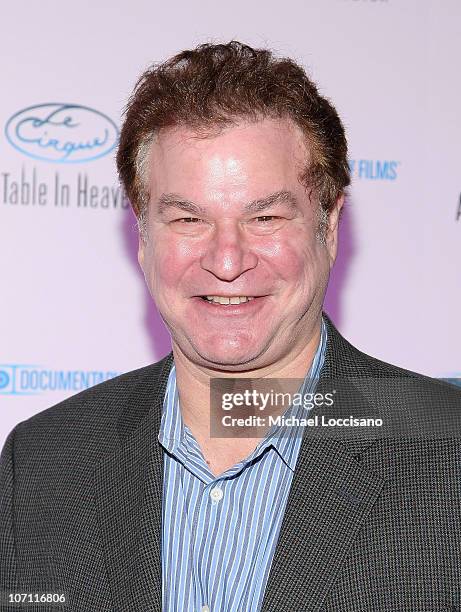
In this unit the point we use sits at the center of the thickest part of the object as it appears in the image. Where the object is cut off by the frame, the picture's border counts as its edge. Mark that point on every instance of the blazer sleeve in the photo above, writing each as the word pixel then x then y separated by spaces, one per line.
pixel 8 562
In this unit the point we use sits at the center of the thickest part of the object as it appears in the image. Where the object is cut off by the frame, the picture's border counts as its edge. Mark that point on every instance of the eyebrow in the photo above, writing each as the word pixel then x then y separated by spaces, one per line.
pixel 172 200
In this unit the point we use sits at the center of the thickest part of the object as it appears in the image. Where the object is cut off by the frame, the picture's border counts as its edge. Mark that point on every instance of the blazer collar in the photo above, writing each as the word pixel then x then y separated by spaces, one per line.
pixel 330 498
pixel 331 494
pixel 128 493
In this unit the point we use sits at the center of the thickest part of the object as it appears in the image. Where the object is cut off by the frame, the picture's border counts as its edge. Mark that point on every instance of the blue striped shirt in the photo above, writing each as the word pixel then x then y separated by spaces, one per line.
pixel 219 533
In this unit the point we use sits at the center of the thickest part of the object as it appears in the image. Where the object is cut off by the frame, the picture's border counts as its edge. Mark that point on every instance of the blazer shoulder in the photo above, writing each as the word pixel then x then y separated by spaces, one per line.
pixel 390 370
pixel 416 405
pixel 95 408
pixel 344 360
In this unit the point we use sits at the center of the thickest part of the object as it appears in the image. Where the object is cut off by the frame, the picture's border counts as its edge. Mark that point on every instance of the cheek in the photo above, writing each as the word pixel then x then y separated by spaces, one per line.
pixel 168 261
pixel 293 257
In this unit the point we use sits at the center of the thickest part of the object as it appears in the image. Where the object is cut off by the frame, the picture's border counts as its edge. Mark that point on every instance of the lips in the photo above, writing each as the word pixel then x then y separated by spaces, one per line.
pixel 226 300
pixel 248 307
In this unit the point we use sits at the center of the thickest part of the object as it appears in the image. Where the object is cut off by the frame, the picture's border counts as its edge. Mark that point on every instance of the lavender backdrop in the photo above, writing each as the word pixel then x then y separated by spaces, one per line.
pixel 73 308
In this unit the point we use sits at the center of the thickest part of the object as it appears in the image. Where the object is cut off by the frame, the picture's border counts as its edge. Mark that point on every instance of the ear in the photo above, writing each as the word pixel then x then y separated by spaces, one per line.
pixel 331 235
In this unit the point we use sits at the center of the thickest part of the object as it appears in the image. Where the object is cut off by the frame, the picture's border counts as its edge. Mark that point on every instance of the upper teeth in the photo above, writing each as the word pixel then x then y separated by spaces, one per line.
pixel 219 299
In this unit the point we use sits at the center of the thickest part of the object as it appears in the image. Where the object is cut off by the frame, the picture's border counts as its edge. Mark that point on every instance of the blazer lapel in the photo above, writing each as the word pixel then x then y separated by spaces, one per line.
pixel 330 498
pixel 128 491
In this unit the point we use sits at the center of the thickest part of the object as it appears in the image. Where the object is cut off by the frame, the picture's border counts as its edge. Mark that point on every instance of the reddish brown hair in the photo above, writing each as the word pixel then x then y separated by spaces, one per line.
pixel 215 85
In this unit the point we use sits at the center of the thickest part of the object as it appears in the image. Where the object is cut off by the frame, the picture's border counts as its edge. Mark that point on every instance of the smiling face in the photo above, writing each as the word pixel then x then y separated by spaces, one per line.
pixel 229 217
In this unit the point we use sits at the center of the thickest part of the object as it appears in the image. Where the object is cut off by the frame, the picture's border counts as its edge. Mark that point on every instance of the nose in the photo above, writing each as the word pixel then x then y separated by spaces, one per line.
pixel 228 253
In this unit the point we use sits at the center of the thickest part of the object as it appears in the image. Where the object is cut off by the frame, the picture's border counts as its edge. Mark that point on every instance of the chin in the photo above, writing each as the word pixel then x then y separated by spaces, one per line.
pixel 227 353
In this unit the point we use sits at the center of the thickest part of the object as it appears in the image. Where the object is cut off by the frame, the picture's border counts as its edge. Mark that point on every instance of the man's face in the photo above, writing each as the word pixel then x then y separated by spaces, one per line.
pixel 228 217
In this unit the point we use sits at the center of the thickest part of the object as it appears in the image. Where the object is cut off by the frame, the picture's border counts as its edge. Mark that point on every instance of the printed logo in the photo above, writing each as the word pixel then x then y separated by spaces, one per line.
pixel 62 133
pixel 4 379
pixel 21 379
pixel 374 169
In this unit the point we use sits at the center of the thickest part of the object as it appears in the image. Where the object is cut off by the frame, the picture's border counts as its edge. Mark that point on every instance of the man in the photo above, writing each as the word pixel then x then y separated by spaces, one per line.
pixel 121 498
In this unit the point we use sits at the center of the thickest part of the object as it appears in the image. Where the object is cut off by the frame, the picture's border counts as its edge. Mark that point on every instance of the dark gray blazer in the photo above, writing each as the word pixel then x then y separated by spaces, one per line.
pixel 371 524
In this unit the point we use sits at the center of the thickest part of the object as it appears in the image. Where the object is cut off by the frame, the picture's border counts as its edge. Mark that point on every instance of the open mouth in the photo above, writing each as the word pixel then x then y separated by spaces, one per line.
pixel 227 300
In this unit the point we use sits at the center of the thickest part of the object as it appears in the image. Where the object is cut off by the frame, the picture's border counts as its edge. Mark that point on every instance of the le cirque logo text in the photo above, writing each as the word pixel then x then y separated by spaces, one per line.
pixel 62 133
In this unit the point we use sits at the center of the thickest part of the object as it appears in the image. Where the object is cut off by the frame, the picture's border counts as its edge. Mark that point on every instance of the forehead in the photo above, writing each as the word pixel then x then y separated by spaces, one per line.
pixel 244 155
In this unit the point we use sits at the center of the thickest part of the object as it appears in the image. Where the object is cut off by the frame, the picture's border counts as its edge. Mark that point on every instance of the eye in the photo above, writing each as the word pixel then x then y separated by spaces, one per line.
pixel 267 218
pixel 186 220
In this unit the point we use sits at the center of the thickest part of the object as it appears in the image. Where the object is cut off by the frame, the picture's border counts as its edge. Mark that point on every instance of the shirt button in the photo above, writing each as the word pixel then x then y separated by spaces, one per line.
pixel 205 608
pixel 216 495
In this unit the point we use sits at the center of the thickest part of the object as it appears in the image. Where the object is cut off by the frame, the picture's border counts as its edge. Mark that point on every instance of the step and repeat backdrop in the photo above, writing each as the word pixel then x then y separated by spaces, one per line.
pixel 74 310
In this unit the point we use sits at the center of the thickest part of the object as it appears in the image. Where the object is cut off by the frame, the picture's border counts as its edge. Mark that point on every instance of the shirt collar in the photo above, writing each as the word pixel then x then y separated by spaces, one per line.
pixel 284 438
pixel 172 429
